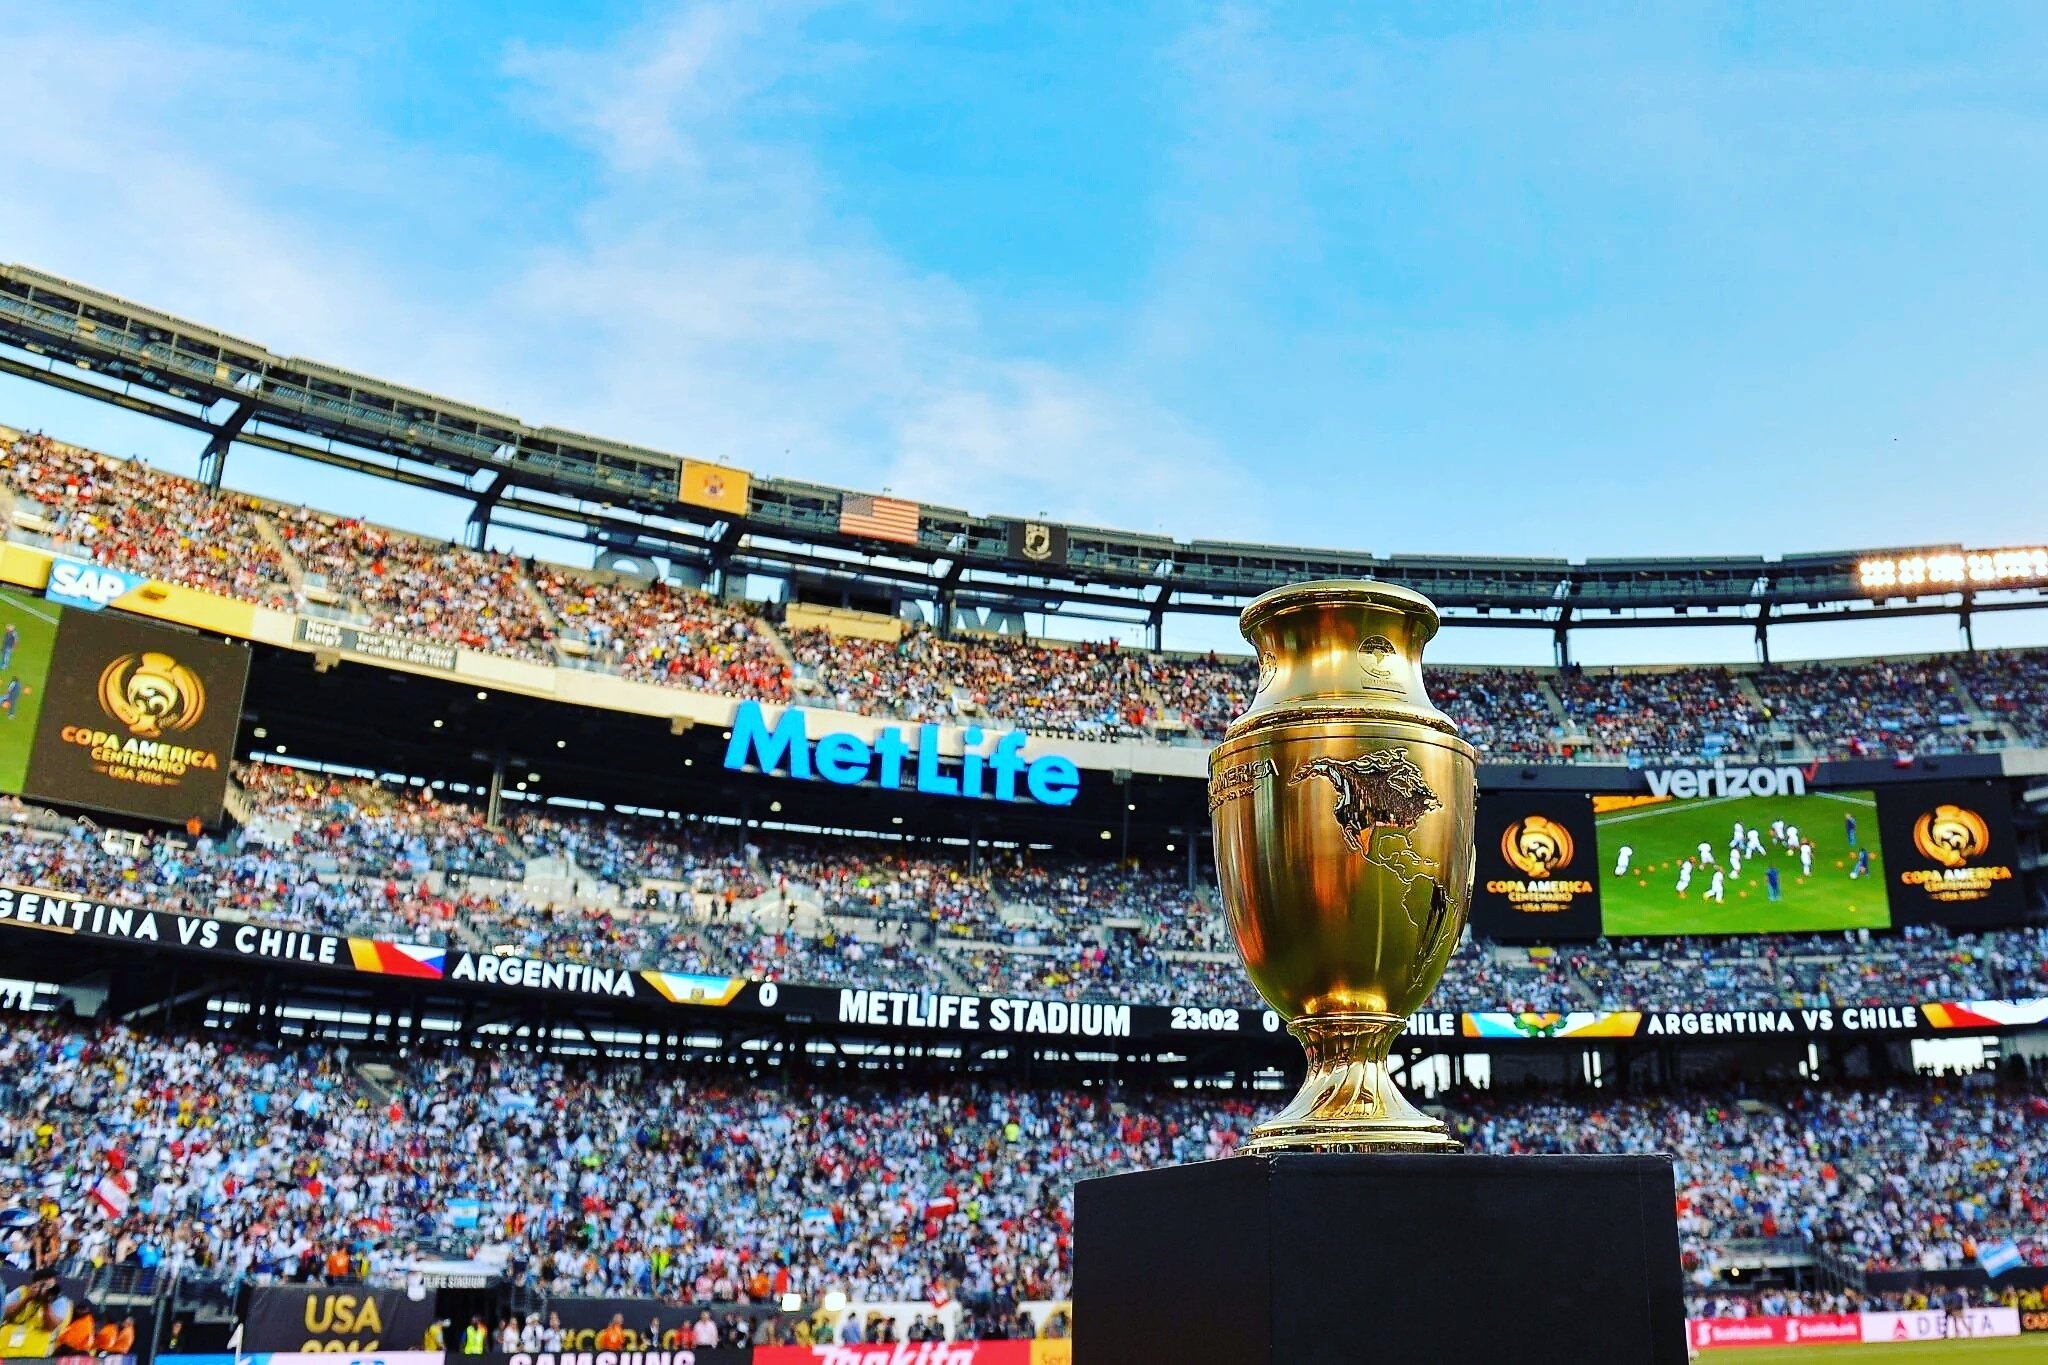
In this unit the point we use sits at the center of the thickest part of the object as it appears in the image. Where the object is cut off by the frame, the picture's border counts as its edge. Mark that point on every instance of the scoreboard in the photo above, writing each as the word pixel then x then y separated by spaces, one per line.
pixel 106 712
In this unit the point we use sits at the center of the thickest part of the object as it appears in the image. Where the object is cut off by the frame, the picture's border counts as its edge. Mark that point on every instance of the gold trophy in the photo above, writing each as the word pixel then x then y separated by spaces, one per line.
pixel 1342 807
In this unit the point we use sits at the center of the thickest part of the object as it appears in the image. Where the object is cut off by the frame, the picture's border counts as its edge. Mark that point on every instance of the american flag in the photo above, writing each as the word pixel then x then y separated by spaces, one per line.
pixel 864 514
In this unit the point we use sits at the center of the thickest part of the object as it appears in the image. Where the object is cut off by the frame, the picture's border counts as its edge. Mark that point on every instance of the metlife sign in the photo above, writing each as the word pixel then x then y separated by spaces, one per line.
pixel 997 770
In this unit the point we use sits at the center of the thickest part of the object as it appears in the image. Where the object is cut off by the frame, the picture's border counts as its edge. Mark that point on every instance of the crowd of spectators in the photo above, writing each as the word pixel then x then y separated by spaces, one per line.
pixel 1818 971
pixel 426 589
pixel 127 516
pixel 1659 715
pixel 1911 1176
pixel 699 1187
pixel 1205 693
pixel 1482 978
pixel 123 514
pixel 909 678
pixel 1502 711
pixel 1870 709
pixel 656 633
pixel 719 1189
pixel 2012 686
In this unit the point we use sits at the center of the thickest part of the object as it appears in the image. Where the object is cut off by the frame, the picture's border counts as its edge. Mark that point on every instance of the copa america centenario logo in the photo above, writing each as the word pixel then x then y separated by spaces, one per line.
pixel 1537 846
pixel 151 694
pixel 1951 835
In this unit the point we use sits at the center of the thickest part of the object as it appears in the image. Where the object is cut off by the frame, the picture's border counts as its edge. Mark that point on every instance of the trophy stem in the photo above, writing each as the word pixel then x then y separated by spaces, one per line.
pixel 1348 1103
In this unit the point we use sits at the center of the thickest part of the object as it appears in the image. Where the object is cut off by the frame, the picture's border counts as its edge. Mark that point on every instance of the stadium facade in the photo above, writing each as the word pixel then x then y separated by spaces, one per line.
pixel 1578 848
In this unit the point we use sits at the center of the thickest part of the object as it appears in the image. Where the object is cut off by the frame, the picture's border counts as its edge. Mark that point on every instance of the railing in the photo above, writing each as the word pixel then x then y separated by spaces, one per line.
pixel 1837 1273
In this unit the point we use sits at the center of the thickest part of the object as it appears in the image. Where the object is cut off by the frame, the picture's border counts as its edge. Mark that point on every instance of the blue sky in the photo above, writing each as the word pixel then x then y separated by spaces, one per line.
pixel 1551 280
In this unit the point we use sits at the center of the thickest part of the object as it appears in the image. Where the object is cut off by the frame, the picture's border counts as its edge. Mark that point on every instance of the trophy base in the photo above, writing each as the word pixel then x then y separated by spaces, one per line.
pixel 1349 1102
pixel 1363 1260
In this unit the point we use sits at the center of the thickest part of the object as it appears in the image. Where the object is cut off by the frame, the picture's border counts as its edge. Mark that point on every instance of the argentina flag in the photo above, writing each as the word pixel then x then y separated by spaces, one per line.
pixel 1996 1260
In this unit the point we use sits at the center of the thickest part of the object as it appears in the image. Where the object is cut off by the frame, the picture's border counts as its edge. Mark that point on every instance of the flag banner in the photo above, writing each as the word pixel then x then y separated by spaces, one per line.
pixel 878 518
pixel 112 1193
pixel 1038 542
pixel 716 486
pixel 1996 1260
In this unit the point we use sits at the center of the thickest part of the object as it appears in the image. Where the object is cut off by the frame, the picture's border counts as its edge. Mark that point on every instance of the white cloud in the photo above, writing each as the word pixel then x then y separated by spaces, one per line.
pixel 720 297
pixel 705 295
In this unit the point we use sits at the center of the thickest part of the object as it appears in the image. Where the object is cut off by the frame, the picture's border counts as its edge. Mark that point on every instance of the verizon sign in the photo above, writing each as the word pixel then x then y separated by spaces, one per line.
pixel 1722 780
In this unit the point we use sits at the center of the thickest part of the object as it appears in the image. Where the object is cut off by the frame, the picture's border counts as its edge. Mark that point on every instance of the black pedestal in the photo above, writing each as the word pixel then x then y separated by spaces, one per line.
pixel 1335 1259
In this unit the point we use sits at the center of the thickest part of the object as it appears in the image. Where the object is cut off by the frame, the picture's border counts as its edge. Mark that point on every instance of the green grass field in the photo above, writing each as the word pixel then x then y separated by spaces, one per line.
pixel 2008 1351
pixel 1645 899
pixel 34 623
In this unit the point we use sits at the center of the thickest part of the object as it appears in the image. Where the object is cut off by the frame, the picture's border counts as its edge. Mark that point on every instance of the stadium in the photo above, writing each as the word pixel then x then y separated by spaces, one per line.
pixel 459 943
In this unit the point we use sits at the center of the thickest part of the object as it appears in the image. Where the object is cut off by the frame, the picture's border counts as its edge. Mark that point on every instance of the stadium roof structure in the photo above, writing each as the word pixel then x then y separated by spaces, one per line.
pixel 625 500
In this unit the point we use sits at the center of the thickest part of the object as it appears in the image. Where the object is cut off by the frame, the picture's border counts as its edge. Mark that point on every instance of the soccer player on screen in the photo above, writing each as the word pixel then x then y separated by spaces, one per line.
pixel 1806 859
pixel 1862 868
pixel 1755 845
pixel 1684 877
pixel 1621 863
pixel 1771 882
pixel 1849 823
pixel 11 698
pixel 1706 853
pixel 1715 891
pixel 8 640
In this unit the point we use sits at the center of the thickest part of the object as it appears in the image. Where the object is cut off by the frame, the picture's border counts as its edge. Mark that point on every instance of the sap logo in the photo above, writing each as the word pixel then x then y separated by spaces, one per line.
pixel 91 586
pixel 1721 780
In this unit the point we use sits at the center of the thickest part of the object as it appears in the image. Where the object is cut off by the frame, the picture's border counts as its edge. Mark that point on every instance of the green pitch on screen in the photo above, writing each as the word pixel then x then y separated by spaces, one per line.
pixel 1661 836
pixel 28 627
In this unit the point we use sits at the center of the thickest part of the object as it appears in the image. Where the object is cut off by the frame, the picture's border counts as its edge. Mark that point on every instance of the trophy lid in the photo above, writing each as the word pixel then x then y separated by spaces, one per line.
pixel 1341 592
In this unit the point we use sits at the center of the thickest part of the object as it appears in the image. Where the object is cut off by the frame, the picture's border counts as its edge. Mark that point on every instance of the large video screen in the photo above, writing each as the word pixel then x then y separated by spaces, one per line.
pixel 1741 865
pixel 1537 859
pixel 1952 853
pixel 106 712
pixel 28 632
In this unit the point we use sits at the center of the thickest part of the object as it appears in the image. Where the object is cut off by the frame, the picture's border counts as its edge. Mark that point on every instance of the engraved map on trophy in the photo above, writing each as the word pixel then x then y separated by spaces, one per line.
pixel 1380 797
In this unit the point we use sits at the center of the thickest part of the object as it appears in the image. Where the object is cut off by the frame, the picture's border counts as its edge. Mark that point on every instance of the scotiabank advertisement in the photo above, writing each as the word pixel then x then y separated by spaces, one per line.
pixel 1843 1328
